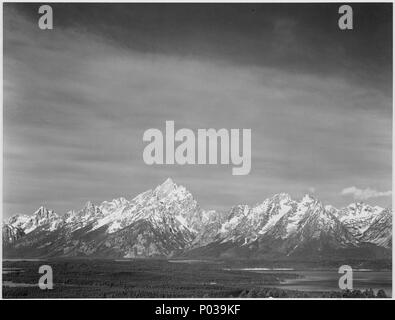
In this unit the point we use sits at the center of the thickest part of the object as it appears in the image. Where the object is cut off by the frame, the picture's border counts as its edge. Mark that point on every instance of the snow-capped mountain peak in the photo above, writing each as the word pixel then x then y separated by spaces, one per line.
pixel 167 219
pixel 357 217
pixel 380 230
pixel 42 217
pixel 331 209
pixel 165 188
pixel 281 197
pixel 308 198
pixel 10 234
pixel 108 207
pixel 44 213
pixel 19 220
pixel 167 202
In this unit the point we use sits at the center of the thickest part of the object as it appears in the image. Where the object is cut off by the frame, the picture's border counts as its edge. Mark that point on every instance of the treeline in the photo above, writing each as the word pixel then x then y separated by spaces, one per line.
pixel 119 292
pixel 279 293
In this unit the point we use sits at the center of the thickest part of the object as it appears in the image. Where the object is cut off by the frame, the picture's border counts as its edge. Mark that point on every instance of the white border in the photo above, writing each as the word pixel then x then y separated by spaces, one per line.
pixel 188 1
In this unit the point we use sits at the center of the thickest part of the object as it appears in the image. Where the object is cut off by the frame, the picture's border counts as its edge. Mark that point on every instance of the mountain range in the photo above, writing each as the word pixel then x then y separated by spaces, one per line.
pixel 168 222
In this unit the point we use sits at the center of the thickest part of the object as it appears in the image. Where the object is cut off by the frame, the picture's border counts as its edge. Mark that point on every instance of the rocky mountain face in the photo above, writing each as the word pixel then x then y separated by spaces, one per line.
pixel 42 217
pixel 378 232
pixel 168 222
pixel 11 234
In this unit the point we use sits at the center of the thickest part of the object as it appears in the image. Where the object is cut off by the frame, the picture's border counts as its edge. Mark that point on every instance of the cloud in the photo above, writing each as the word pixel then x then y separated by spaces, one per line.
pixel 363 194
pixel 76 107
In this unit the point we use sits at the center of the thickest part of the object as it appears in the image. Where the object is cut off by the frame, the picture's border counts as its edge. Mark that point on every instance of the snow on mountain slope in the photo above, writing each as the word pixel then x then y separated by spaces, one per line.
pixel 165 199
pixel 246 224
pixel 380 230
pixel 19 220
pixel 10 234
pixel 322 228
pixel 288 223
pixel 357 217
pixel 306 226
pixel 167 221
pixel 74 220
pixel 157 222
pixel 280 225
pixel 109 207
pixel 41 218
pixel 294 218
pixel 169 213
pixel 212 223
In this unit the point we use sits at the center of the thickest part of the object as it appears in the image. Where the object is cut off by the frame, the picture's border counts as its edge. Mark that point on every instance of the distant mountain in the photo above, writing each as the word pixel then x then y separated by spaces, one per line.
pixel 41 218
pixel 357 217
pixel 167 222
pixel 378 232
pixel 11 234
pixel 280 227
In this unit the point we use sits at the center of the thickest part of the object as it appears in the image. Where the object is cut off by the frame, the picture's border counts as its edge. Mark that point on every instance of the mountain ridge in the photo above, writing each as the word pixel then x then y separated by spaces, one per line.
pixel 167 221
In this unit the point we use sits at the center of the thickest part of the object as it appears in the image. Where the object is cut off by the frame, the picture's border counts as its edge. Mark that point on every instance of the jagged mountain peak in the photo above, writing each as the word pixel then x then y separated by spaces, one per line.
pixel 42 212
pixel 281 197
pixel 380 230
pixel 17 219
pixel 10 234
pixel 165 188
pixel 331 208
pixel 90 208
pixel 75 220
pixel 167 219
pixel 356 206
pixel 168 181
pixel 274 201
pixel 308 198
pixel 42 208
pixel 165 204
pixel 120 201
pixel 108 207
pixel 358 217
pixel 89 204
pixel 43 215
pixel 361 208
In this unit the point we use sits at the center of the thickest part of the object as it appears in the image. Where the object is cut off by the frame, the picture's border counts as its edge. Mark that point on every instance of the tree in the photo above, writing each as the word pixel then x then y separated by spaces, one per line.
pixel 381 294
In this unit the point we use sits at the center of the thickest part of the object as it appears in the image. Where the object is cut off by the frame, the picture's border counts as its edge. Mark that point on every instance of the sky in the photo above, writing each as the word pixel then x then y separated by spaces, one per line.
pixel 78 99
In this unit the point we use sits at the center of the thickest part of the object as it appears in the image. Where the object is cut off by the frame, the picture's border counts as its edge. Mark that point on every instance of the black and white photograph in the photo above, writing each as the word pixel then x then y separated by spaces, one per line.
pixel 197 150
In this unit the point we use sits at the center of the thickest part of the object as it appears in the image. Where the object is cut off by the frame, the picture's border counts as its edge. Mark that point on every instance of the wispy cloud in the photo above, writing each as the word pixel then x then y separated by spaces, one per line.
pixel 364 194
pixel 76 106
